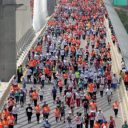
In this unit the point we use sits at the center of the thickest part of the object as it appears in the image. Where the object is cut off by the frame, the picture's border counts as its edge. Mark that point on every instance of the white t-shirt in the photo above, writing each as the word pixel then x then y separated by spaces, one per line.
pixel 43 77
pixel 99 116
pixel 68 94
pixel 108 92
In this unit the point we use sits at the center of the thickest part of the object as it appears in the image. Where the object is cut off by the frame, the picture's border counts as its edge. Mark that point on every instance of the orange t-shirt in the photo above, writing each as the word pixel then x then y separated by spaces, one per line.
pixel 11 120
pixel 125 78
pixel 35 95
pixel 65 75
pixel 38 109
pixel 60 83
pixel 5 123
pixel 91 87
pixel 96 125
pixel 93 106
pixel 115 105
pixel 46 109
pixel 6 113
pixel 57 112
pixel 88 97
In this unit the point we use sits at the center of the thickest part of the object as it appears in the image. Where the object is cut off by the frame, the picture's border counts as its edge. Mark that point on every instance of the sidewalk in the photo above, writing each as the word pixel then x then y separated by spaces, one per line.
pixel 120 31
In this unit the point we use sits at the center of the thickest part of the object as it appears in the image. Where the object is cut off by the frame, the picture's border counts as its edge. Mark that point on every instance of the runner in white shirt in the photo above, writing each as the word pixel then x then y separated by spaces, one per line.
pixel 100 116
pixel 109 94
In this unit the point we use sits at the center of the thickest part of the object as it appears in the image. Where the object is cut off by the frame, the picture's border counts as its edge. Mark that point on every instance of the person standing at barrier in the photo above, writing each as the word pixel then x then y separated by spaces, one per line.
pixel 29 113
pixel 116 108
pixel 19 73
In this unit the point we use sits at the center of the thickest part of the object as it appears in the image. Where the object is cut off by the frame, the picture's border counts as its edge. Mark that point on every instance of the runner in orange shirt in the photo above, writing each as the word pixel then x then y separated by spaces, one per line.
pixel 35 97
pixel 57 113
pixel 116 107
pixel 38 110
pixel 46 111
pixel 93 106
pixel 91 89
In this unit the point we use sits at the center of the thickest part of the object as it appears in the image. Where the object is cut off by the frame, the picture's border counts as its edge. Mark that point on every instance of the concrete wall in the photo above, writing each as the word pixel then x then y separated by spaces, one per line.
pixel 7 39
pixel 16 32
pixel 42 9
pixel 40 14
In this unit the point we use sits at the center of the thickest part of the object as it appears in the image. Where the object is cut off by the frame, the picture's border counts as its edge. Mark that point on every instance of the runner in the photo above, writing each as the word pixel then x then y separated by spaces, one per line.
pixel 38 111
pixel 77 72
pixel 115 108
pixel 29 113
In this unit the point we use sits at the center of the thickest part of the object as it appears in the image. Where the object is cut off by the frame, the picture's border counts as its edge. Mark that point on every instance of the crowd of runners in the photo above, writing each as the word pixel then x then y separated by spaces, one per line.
pixel 74 57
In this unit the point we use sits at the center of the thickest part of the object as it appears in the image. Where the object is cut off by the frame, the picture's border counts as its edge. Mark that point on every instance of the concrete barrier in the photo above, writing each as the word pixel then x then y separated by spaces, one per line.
pixel 116 65
pixel 5 93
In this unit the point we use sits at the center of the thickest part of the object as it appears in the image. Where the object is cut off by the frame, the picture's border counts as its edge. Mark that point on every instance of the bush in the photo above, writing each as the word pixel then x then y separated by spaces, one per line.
pixel 124 18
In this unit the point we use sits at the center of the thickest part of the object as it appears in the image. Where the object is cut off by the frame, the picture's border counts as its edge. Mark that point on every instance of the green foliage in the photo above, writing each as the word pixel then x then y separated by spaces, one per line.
pixel 124 18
